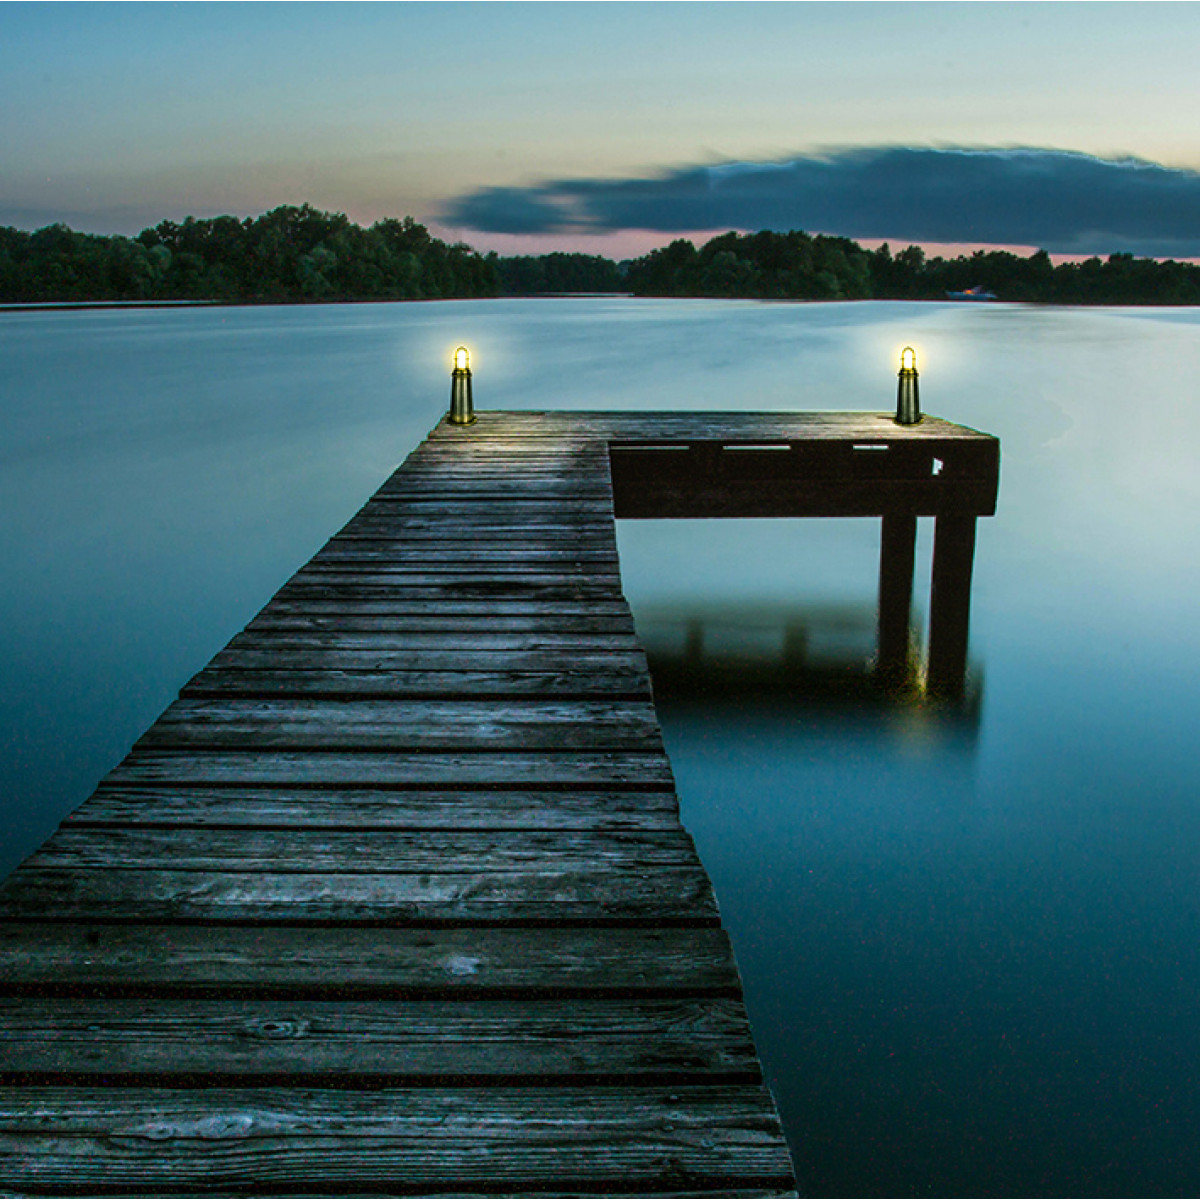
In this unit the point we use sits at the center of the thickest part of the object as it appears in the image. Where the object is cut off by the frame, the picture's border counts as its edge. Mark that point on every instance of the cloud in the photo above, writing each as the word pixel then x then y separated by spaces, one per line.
pixel 1064 202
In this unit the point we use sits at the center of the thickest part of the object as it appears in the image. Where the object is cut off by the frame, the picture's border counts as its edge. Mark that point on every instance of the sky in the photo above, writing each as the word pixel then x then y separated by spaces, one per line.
pixel 614 127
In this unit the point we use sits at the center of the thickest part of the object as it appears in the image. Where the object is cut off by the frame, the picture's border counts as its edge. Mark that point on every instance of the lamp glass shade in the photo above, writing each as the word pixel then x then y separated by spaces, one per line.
pixel 462 361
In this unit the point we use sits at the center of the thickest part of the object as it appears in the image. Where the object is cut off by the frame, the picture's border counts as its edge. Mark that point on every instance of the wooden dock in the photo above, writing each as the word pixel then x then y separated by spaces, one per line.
pixel 395 899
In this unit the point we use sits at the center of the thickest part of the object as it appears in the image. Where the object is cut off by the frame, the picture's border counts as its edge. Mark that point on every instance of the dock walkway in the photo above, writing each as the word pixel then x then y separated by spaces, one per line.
pixel 395 899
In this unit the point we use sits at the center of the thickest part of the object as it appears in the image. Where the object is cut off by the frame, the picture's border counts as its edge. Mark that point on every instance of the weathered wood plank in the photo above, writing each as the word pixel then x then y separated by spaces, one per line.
pixel 437 590
pixel 584 769
pixel 454 611
pixel 661 425
pixel 507 546
pixel 461 509
pixel 120 1040
pixel 624 682
pixel 622 1141
pixel 381 618
pixel 454 639
pixel 380 852
pixel 397 558
pixel 530 724
pixel 387 960
pixel 348 808
pixel 498 576
pixel 575 659
pixel 396 520
pixel 537 894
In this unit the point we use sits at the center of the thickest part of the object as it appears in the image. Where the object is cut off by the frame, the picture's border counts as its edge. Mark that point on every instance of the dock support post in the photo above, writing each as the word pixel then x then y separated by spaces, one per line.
pixel 950 603
pixel 897 554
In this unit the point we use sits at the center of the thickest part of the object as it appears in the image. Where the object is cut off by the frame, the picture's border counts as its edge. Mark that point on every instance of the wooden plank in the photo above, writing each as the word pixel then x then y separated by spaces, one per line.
pixel 395 554
pixel 538 894
pixel 499 478
pixel 40 957
pixel 380 852
pixel 437 590
pixel 541 612
pixel 583 769
pixel 449 637
pixel 801 498
pixel 461 658
pixel 388 1042
pixel 348 808
pixel 462 507
pixel 514 540
pixel 620 1141
pixel 498 576
pixel 514 543
pixel 396 520
pixel 530 724
pixel 672 425
pixel 480 493
pixel 456 639
pixel 389 682
pixel 382 618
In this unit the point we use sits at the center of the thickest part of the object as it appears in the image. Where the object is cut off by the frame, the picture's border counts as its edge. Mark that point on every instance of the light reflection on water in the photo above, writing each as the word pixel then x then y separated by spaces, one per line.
pixel 971 940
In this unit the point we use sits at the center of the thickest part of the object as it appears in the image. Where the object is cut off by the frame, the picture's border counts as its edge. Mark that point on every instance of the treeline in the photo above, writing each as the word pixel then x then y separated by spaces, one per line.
pixel 303 254
pixel 545 274
pixel 287 254
pixel 767 266
pixel 797 266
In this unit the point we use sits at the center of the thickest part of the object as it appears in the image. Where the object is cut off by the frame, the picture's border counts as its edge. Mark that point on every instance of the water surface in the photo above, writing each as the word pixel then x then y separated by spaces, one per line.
pixel 969 939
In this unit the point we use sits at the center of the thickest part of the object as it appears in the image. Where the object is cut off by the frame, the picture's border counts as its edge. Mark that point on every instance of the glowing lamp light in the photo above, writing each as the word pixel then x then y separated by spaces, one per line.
pixel 462 407
pixel 908 396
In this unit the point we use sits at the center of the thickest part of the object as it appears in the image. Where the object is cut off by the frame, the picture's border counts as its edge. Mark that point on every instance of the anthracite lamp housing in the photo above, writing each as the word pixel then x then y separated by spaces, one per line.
pixel 462 407
pixel 908 396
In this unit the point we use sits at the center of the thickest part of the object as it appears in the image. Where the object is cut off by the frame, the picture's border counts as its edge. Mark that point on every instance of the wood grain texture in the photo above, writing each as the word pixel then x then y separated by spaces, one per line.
pixel 350 684
pixel 446 640
pixel 567 769
pixel 371 809
pixel 544 894
pixel 378 852
pixel 624 1141
pixel 604 1040
pixel 302 723
pixel 38 957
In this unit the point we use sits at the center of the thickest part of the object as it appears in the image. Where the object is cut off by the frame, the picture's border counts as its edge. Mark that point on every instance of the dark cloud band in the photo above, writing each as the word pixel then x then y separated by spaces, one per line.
pixel 1064 202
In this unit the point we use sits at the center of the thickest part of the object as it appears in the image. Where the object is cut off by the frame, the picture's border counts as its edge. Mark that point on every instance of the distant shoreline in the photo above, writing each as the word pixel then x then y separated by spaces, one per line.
pixel 58 305
pixel 135 305
pixel 301 255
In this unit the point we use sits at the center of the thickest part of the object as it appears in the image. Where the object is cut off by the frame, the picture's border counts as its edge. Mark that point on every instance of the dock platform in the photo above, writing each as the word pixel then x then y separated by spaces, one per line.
pixel 395 898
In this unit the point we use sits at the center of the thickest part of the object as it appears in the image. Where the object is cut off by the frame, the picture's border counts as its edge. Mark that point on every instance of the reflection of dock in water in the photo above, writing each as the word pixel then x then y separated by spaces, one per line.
pixel 800 656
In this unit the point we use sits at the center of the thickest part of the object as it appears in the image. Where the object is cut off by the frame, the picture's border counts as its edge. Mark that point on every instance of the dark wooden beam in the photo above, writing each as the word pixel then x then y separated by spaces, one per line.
pixel 950 604
pixel 897 555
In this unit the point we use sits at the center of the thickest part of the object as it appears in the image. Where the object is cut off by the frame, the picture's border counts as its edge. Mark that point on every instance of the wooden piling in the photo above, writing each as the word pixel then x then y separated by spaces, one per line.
pixel 897 560
pixel 950 603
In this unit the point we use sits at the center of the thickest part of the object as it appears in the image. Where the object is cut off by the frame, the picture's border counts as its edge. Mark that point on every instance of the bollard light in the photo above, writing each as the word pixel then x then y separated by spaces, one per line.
pixel 908 396
pixel 462 408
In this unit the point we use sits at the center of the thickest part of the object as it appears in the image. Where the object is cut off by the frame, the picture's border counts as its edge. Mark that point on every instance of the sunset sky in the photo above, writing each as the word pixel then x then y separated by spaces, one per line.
pixel 613 127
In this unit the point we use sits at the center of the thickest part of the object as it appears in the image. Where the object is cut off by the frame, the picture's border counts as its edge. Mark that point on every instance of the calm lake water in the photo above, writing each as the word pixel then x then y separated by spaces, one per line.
pixel 970 939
